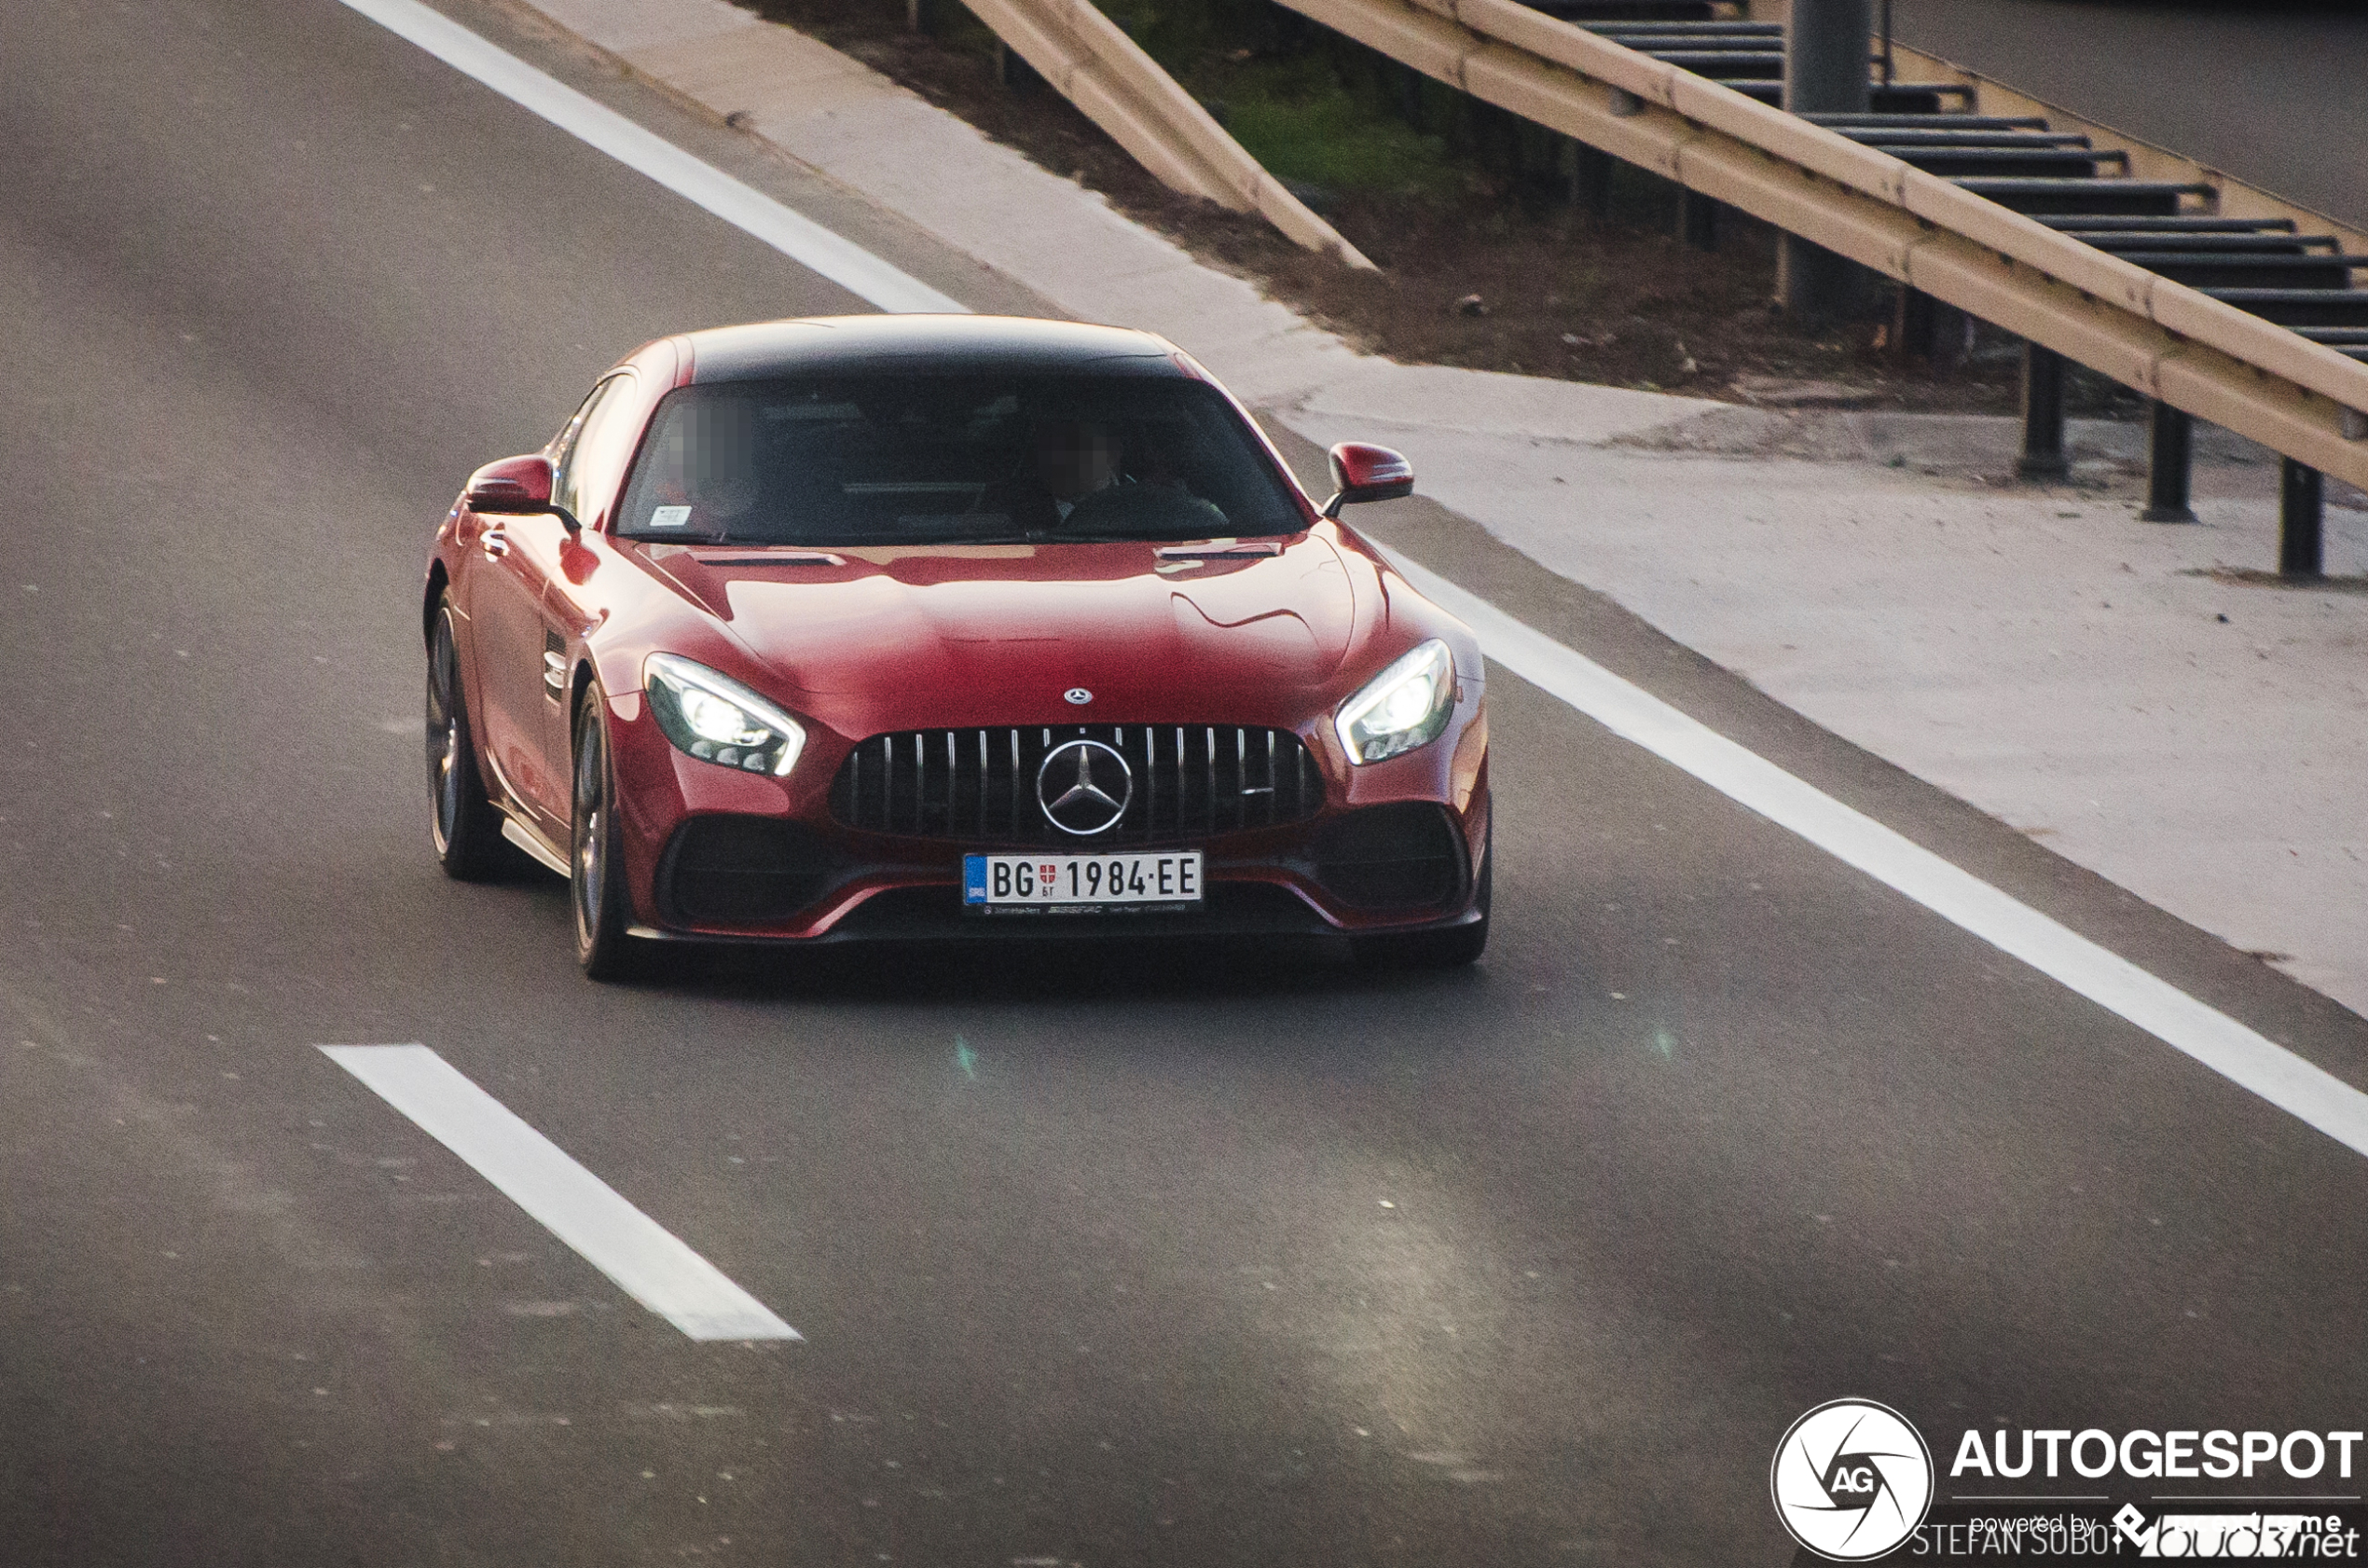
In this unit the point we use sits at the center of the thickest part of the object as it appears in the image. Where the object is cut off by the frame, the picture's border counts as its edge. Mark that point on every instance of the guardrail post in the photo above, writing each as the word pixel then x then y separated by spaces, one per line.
pixel 2302 513
pixel 1912 322
pixel 1012 73
pixel 2170 454
pixel 1697 219
pixel 1825 71
pixel 2043 414
pixel 1407 84
pixel 1593 191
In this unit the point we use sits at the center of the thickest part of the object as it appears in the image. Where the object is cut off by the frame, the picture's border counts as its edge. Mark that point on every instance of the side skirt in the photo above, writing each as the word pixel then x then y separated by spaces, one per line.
pixel 537 848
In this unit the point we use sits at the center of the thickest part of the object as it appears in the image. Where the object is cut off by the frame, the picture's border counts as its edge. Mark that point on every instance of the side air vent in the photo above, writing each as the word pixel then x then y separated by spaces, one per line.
pixel 741 870
pixel 1406 856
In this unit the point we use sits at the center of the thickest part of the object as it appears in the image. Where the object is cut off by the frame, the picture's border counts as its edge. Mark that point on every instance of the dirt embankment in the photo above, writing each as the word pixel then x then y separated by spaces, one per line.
pixel 1484 260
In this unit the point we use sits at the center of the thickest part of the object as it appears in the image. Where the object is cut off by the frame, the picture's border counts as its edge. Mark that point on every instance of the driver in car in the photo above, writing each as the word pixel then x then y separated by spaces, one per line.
pixel 1074 458
pixel 1081 487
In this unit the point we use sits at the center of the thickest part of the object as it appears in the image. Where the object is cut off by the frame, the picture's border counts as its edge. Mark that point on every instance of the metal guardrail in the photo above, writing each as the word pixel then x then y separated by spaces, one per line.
pixel 2124 195
pixel 2266 256
pixel 2204 355
pixel 2232 197
pixel 1094 65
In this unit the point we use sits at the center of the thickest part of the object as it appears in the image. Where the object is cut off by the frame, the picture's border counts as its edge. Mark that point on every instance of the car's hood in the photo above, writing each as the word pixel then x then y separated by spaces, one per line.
pixel 920 636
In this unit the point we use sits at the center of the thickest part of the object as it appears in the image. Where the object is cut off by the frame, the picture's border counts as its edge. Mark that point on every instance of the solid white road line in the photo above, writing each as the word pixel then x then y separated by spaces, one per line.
pixel 2112 983
pixel 645 1260
pixel 797 237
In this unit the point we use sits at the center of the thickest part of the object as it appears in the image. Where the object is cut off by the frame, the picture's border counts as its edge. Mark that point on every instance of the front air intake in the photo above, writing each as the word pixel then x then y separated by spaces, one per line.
pixel 741 870
pixel 1407 856
pixel 981 785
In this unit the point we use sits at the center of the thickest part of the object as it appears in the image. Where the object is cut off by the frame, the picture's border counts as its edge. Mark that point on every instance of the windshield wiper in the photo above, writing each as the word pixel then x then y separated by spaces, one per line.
pixel 914 541
pixel 777 555
pixel 1213 550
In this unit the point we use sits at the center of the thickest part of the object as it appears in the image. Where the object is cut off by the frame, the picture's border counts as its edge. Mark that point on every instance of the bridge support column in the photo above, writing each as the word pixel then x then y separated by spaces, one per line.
pixel 1825 71
pixel 2043 414
pixel 2302 515
pixel 2169 458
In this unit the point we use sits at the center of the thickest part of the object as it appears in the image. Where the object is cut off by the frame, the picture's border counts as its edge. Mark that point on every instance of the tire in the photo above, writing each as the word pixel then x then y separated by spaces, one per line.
pixel 462 824
pixel 1452 949
pixel 595 869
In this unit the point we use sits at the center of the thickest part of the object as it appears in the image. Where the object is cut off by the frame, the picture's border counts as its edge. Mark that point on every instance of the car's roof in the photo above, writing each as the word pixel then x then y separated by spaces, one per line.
pixel 1009 344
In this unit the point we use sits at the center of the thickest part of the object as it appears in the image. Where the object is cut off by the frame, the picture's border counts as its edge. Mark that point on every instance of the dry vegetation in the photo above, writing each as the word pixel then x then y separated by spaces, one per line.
pixel 1484 261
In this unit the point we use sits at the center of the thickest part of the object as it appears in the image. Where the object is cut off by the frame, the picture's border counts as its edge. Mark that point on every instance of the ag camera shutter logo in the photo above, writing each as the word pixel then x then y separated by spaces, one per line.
pixel 1852 1480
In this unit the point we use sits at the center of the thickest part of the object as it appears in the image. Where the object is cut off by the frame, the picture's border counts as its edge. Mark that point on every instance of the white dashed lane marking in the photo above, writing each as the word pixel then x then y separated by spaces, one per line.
pixel 645 1260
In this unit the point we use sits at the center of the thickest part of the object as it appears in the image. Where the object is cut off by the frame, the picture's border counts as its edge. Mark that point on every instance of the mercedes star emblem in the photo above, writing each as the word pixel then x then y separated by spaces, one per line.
pixel 1074 786
pixel 1077 695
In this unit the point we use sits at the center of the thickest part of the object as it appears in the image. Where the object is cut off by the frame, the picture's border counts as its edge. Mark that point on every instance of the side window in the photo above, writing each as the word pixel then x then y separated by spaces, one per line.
pixel 589 446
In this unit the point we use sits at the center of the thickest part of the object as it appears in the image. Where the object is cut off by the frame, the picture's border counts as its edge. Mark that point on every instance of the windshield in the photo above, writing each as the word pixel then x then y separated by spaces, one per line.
pixel 914 458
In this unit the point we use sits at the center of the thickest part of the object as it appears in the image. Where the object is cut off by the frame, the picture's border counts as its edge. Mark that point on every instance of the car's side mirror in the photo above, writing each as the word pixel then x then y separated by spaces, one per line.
pixel 1363 472
pixel 514 487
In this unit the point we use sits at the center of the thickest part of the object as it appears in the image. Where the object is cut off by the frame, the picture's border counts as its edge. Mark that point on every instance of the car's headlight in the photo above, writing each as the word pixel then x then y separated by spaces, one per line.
pixel 1404 706
pixel 717 719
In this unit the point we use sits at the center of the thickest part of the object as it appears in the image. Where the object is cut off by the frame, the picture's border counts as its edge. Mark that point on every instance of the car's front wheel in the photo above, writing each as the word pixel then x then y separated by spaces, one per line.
pixel 464 825
pixel 596 871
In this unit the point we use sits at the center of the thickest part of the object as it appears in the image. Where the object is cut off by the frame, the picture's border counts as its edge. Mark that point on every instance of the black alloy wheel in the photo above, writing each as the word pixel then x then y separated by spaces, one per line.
pixel 596 871
pixel 464 825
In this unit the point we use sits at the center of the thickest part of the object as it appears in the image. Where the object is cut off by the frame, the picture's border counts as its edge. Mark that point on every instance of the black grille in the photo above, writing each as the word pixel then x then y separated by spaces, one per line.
pixel 979 785
pixel 1391 857
pixel 741 870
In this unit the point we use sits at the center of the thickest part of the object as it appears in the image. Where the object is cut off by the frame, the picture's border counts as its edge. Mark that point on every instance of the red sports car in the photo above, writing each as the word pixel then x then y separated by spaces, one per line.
pixel 902 627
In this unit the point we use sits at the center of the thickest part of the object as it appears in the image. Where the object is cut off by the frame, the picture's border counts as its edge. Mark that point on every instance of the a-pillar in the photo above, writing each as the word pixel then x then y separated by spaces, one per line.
pixel 1825 71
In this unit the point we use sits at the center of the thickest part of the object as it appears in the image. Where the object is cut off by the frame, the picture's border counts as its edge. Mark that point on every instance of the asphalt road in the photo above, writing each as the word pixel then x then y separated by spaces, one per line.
pixel 1140 1256
pixel 2274 92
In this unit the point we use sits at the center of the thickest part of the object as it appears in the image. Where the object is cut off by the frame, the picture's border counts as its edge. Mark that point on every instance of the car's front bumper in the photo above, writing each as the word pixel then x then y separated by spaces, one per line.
pixel 715 855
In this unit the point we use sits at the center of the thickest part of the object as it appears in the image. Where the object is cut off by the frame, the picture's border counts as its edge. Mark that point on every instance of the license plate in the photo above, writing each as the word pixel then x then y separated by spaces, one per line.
pixel 1079 884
